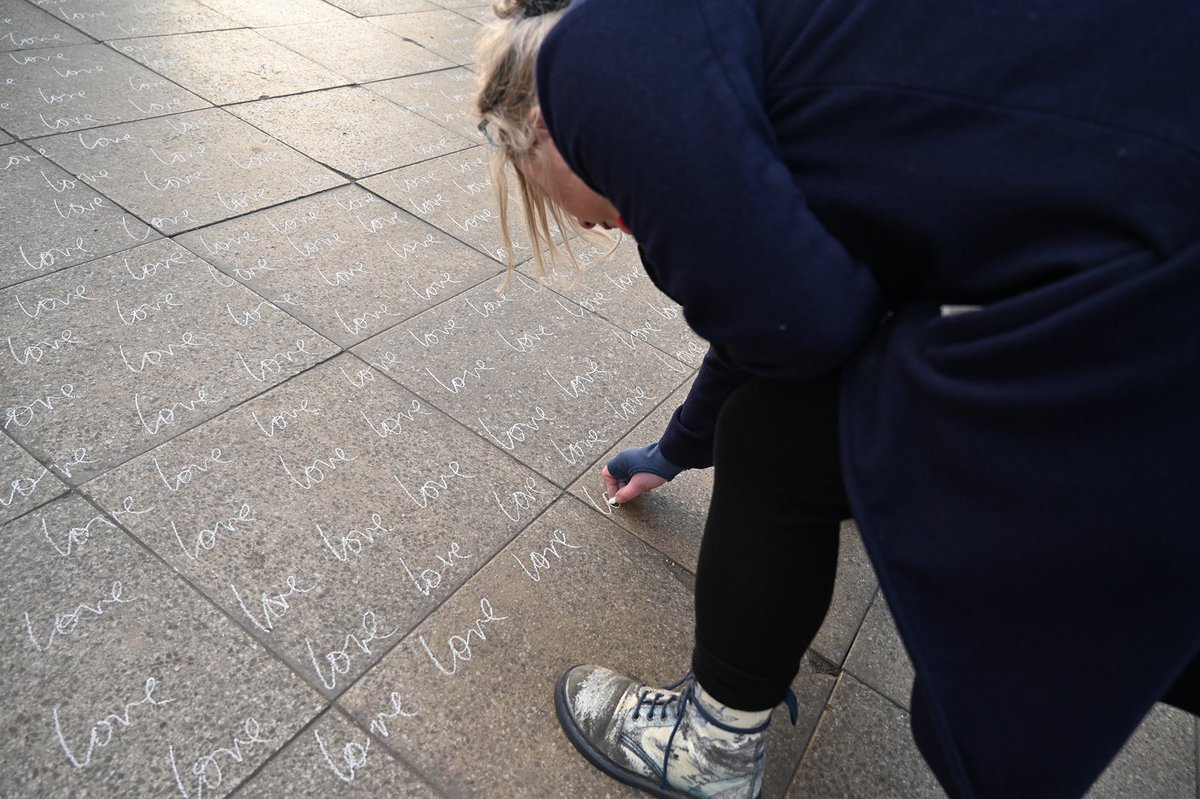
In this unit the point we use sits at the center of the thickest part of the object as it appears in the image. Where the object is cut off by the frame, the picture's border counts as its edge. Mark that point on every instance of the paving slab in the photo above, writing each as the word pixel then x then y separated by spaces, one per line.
pixel 336 758
pixel 481 14
pixel 478 676
pixel 456 194
pixel 121 19
pixel 345 262
pixel 271 13
pixel 611 282
pixel 352 130
pixel 329 515
pixel 357 49
pixel 5 138
pixel 24 483
pixel 1158 761
pixel 372 8
pixel 450 35
pixel 126 351
pixel 878 658
pixel 230 66
pixel 519 367
pixel 85 86
pixel 55 219
pixel 184 171
pixel 863 749
pixel 444 97
pixel 121 680
pixel 24 26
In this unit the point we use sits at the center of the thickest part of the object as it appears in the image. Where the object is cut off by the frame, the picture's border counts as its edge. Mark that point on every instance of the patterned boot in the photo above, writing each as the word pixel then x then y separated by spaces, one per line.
pixel 670 742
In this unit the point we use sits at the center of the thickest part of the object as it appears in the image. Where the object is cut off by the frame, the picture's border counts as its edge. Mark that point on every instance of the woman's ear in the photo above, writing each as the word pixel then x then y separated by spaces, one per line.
pixel 539 123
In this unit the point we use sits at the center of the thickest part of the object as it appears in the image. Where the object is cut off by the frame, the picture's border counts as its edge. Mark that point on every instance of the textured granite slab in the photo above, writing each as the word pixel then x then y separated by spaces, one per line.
pixel 24 26
pixel 456 194
pixel 121 19
pixel 357 50
pixel 450 35
pixel 445 97
pixel 127 351
pixel 478 676
pixel 528 372
pixel 878 658
pixel 352 130
pixel 120 679
pixel 335 758
pixel 85 86
pixel 54 219
pixel 269 13
pixel 371 8
pixel 24 483
pixel 614 284
pixel 481 14
pixel 863 747
pixel 1158 761
pixel 230 66
pixel 180 172
pixel 345 262
pixel 328 516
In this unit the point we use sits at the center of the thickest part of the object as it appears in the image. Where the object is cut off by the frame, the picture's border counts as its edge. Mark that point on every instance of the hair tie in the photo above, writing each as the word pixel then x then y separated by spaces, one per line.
pixel 535 8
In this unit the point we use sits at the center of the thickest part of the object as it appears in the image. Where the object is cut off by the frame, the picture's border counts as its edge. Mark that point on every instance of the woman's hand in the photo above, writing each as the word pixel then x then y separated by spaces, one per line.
pixel 633 472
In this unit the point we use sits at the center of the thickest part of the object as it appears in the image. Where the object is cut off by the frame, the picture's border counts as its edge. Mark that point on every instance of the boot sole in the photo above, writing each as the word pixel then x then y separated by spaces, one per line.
pixel 596 758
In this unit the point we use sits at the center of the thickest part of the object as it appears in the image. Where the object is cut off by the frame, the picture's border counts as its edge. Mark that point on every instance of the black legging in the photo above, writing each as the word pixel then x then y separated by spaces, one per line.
pixel 769 555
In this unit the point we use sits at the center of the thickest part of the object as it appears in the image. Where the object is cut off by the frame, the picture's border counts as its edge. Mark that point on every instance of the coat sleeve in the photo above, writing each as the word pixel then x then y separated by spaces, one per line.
pixel 688 439
pixel 659 107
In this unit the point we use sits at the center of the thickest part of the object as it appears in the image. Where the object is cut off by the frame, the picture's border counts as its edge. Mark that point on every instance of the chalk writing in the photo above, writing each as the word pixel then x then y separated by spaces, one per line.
pixel 155 357
pixel 314 473
pixel 166 416
pixel 339 660
pixel 432 489
pixel 392 425
pixel 143 312
pixel 577 450
pixel 457 384
pixel 280 420
pixel 39 349
pixel 523 499
pixel 460 645
pixel 352 543
pixel 101 733
pixel 48 304
pixel 539 561
pixel 207 768
pixel 627 407
pixel 64 623
pixel 22 415
pixel 185 475
pixel 518 431
pixel 578 385
pixel 271 607
pixel 274 364
pixel 354 756
pixel 379 724
pixel 208 537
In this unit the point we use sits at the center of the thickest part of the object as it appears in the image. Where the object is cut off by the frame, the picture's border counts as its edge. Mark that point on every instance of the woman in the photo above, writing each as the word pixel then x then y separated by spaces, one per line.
pixel 948 257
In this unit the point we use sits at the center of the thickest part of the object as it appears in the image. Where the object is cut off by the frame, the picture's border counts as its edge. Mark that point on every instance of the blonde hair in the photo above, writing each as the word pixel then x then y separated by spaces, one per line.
pixel 507 83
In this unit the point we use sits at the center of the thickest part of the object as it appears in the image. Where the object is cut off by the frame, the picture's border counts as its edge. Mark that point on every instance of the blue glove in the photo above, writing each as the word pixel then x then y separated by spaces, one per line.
pixel 629 462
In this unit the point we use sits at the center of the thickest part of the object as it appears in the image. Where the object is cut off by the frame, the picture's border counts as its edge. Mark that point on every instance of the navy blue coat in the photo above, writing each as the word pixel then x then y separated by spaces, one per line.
pixel 812 180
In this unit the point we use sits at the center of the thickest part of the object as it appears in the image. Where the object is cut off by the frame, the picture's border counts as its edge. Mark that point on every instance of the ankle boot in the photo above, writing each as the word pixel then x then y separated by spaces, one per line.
pixel 670 742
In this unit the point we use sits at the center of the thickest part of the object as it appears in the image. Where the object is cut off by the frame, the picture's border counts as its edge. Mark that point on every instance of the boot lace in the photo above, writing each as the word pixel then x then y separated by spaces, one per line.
pixel 659 702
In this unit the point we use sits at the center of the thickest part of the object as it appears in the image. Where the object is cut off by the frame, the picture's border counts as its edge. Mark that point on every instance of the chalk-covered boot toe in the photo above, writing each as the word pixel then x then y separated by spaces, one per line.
pixel 661 740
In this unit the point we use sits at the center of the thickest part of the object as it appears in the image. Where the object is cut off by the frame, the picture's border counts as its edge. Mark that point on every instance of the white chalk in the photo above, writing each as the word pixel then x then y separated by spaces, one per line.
pixel 612 501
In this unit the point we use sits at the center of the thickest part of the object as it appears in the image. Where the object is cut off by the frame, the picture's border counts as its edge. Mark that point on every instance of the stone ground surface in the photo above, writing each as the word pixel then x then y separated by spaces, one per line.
pixel 294 503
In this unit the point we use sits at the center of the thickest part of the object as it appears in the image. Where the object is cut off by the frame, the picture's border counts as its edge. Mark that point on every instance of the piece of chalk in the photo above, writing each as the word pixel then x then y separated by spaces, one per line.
pixel 612 501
